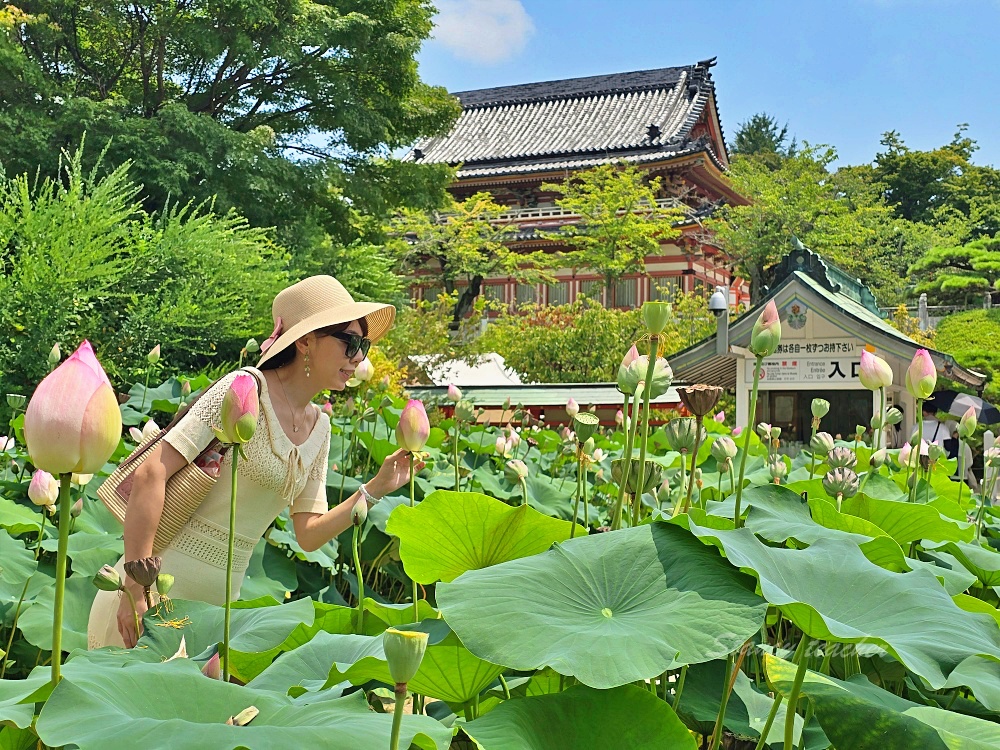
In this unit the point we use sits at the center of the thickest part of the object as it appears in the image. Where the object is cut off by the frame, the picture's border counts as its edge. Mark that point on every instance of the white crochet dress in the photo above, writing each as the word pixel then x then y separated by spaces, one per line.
pixel 276 473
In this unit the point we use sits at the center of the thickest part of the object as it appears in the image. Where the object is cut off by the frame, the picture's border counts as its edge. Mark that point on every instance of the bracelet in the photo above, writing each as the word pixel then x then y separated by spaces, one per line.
pixel 369 497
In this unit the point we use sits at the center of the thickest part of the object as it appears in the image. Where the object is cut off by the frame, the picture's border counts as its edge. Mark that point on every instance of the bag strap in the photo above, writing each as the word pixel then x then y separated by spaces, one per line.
pixel 181 413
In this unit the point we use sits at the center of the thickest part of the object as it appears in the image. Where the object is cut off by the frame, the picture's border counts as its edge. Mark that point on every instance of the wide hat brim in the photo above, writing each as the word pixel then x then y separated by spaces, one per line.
pixel 379 317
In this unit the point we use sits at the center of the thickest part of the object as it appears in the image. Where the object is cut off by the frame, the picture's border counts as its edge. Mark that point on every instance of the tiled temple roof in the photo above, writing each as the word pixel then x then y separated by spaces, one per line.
pixel 639 117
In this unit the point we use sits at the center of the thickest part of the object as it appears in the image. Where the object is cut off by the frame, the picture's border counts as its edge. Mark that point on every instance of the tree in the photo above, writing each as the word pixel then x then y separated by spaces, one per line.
pixel 761 136
pixel 940 187
pixel 840 215
pixel 620 221
pixel 465 242
pixel 958 275
pixel 277 108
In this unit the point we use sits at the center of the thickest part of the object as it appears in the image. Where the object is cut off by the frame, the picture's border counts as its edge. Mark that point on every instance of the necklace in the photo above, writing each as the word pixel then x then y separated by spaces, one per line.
pixel 295 424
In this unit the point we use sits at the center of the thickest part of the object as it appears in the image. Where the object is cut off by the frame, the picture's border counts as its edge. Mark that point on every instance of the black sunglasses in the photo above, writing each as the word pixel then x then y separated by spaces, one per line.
pixel 355 343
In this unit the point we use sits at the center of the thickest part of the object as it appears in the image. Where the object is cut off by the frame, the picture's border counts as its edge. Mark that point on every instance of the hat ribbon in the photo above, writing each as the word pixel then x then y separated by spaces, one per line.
pixel 273 337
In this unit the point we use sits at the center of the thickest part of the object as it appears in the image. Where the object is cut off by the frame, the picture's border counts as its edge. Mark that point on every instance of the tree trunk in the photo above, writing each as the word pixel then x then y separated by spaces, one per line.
pixel 465 301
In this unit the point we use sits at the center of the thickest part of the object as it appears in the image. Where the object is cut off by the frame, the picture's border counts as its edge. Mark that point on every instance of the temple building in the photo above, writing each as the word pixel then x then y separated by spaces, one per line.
pixel 511 139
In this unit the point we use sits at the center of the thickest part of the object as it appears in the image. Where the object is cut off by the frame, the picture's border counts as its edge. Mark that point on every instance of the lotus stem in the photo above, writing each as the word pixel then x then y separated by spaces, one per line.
pixel 805 722
pixel 920 439
pixel 229 570
pixel 654 345
pixel 356 549
pixel 879 435
pixel 680 490
pixel 145 386
pixel 458 479
pixel 733 666
pixel 630 429
pixel 397 715
pixel 680 687
pixel 413 502
pixel 694 463
pixel 579 490
pixel 770 721
pixel 506 690
pixel 586 506
pixel 793 698
pixel 41 536
pixel 60 596
pixel 746 440
pixel 524 491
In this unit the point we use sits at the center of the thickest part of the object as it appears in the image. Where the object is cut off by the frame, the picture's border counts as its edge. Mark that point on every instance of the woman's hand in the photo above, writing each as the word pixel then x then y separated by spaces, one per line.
pixel 127 617
pixel 394 473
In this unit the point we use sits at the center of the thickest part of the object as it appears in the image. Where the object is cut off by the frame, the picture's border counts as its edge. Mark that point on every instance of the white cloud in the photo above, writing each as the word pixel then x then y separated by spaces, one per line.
pixel 483 31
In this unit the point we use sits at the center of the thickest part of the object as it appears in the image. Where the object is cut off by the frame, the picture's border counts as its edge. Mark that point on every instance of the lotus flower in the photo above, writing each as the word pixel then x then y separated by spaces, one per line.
pixel 413 428
pixel 777 467
pixel 454 394
pixel 81 480
pixel 967 424
pixel 820 407
pixel 627 378
pixel 240 408
pixel 212 668
pixel 656 316
pixel 663 376
pixel 73 422
pixel 327 409
pixel 501 445
pixel 766 333
pixel 619 417
pixel 364 371
pixel 875 372
pixel 921 375
pixel 185 389
pixel 878 458
pixel 7 443
pixel 737 431
pixel 404 650
pixel 77 509
pixel 154 355
pixel 43 490
pixel 572 408
pixel 720 417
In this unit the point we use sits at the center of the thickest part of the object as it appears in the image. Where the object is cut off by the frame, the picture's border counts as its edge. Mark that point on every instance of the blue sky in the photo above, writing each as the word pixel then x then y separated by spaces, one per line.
pixel 840 72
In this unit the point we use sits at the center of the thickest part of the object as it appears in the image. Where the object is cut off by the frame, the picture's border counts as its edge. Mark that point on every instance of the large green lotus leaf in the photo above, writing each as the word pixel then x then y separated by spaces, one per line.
pixel 858 715
pixel 18 519
pixel 972 604
pixel 449 671
pixel 12 738
pixel 17 699
pixel 955 579
pixel 36 621
pixel 96 518
pixel 153 705
pixel 981 561
pixel 582 718
pixel 270 573
pixel 818 589
pixel 307 668
pixel 88 552
pixel 17 565
pixel 608 609
pixel 452 532
pixel 255 626
pixel 908 522
pixel 983 676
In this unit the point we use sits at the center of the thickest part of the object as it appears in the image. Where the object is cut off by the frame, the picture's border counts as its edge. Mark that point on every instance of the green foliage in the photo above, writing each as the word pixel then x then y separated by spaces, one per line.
pixel 620 222
pixel 81 259
pixel 841 215
pixel 761 136
pixel 584 342
pixel 971 338
pixel 959 275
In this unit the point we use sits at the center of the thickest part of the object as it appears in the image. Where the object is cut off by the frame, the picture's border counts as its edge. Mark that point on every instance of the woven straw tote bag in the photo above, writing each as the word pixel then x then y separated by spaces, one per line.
pixel 184 491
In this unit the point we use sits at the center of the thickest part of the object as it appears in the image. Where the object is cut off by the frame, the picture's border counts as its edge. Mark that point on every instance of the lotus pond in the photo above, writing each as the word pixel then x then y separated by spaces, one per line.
pixel 709 592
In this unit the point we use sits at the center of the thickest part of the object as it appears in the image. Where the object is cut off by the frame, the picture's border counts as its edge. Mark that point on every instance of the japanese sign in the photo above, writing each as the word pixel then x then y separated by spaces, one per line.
pixel 821 346
pixel 812 370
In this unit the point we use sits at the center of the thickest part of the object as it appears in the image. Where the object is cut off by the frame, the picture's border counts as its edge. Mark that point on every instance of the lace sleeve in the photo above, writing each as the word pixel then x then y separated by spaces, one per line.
pixel 192 434
pixel 312 499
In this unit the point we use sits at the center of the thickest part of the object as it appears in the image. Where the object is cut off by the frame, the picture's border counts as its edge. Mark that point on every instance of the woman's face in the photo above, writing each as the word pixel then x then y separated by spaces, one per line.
pixel 329 363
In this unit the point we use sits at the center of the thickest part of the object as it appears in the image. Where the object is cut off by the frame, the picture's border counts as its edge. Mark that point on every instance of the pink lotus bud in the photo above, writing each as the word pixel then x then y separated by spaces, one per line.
pixel 185 389
pixel 627 376
pixel 921 375
pixel 43 490
pixel 240 408
pixel 212 669
pixel 454 394
pixel 150 429
pixel 7 443
pixel 364 370
pixel 73 422
pixel 619 418
pixel 766 334
pixel 967 424
pixel 501 445
pixel 720 417
pixel 136 434
pixel 875 372
pixel 327 409
pixel 737 431
pixel 513 439
pixel 572 408
pixel 413 428
pixel 154 355
pixel 77 508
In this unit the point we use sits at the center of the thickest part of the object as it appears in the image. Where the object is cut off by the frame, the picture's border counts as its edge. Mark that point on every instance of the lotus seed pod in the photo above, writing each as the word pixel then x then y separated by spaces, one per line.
pixel 404 650
pixel 841 481
pixel 935 452
pixel 585 424
pixel 893 416
pixel 107 579
pixel 777 467
pixel 878 458
pixel 359 513
pixel 681 433
pixel 144 571
pixel 841 458
pixel 252 346
pixel 765 430
pixel 700 399
pixel 656 316
pixel 16 401
pixel 820 407
pixel 164 582
pixel 515 470
pixel 723 448
pixel 876 422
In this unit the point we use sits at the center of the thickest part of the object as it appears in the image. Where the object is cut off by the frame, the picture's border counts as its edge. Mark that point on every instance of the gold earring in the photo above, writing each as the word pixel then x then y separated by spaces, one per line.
pixel 307 364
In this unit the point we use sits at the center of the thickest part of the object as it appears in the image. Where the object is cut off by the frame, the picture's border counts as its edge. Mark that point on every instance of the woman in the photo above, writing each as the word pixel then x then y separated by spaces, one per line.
pixel 320 335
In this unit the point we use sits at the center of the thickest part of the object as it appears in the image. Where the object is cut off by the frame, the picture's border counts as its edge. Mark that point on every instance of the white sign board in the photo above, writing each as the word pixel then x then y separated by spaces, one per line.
pixel 811 370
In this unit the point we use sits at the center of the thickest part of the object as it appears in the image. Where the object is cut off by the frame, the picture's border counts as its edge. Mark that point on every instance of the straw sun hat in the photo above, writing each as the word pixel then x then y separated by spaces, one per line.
pixel 318 302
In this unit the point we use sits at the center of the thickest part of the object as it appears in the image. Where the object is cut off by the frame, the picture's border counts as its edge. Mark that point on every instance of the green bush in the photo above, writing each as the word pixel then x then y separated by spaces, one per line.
pixel 972 338
pixel 80 259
